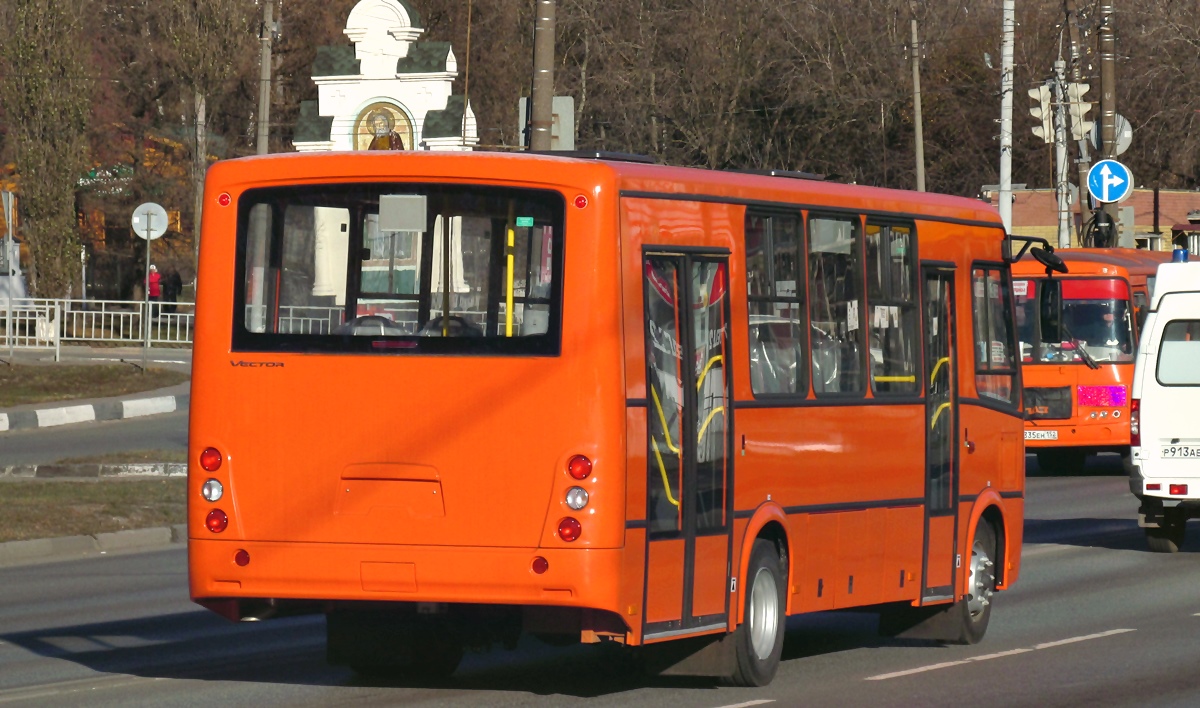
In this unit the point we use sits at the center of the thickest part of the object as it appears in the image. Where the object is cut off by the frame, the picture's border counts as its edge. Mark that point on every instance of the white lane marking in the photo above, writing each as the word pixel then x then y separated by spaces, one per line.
pixel 747 704
pixel 3 422
pixel 148 406
pixel 65 416
pixel 1011 652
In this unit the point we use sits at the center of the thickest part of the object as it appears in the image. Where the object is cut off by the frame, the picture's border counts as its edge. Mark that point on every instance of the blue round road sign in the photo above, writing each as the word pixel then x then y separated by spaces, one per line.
pixel 1109 181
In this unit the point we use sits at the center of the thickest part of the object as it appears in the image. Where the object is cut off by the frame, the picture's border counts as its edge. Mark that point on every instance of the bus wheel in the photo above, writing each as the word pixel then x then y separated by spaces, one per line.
pixel 981 583
pixel 1168 537
pixel 759 639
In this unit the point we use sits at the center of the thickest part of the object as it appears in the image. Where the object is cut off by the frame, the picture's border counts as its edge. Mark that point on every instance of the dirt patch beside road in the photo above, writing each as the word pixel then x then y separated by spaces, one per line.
pixel 32 509
pixel 43 383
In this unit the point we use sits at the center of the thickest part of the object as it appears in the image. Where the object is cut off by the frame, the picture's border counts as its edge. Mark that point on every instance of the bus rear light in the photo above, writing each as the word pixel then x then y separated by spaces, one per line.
pixel 216 521
pixel 1135 422
pixel 241 557
pixel 579 467
pixel 1178 489
pixel 540 565
pixel 569 529
pixel 577 498
pixel 210 459
pixel 212 490
pixel 1153 487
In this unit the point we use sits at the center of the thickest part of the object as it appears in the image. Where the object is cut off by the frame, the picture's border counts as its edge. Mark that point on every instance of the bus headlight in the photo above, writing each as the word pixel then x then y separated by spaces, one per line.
pixel 577 498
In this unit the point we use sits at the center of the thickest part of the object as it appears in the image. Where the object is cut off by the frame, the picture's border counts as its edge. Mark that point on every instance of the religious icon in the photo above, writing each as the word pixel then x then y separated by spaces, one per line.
pixel 385 138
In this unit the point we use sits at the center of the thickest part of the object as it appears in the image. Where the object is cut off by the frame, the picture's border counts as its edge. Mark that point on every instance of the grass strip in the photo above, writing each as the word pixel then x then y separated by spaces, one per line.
pixel 42 383
pixel 32 509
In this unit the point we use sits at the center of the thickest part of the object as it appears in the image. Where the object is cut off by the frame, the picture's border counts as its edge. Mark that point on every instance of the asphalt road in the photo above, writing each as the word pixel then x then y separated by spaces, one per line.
pixel 39 446
pixel 1095 619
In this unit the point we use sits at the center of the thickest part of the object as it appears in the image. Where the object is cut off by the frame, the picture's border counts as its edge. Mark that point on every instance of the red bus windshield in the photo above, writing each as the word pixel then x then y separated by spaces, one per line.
pixel 1095 315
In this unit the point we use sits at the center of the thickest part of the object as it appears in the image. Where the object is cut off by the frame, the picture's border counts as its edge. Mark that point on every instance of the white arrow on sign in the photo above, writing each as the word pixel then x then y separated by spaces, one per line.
pixel 1108 179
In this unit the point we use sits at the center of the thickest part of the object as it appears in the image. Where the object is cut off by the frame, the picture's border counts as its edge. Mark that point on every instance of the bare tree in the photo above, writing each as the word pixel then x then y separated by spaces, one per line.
pixel 44 87
pixel 208 41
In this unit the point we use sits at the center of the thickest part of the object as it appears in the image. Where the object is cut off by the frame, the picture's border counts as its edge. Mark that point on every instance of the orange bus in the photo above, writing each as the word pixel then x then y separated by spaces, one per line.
pixel 447 399
pixel 1079 368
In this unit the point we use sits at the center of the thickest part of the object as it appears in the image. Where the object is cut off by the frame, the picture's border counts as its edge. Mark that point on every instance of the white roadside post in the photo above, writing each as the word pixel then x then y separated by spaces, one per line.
pixel 149 222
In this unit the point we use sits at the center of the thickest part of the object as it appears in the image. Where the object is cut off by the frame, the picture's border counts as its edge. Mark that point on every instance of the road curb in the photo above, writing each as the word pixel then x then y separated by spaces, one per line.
pixel 40 549
pixel 48 416
pixel 94 471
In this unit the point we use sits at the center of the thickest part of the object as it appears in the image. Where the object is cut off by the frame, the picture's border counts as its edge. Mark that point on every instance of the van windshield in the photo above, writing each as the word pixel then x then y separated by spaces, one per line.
pixel 1096 315
pixel 396 268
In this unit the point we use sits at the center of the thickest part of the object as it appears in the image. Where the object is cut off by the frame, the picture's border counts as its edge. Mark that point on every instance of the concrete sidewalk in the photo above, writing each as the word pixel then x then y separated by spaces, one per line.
pixel 72 547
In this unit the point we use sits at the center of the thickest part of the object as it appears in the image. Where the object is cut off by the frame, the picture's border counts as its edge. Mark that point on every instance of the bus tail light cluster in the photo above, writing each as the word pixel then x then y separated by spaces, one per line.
pixel 1135 422
pixel 216 520
pixel 1177 489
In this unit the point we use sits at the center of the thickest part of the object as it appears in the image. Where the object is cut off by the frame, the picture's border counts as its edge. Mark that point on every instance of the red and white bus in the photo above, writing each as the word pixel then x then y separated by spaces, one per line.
pixel 448 398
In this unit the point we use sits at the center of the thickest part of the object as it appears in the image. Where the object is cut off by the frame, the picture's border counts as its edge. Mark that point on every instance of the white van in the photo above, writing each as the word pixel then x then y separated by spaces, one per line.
pixel 1165 411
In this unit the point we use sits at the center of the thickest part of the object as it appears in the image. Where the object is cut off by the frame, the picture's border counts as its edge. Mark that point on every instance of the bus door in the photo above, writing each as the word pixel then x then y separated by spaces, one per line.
pixel 941 434
pixel 688 514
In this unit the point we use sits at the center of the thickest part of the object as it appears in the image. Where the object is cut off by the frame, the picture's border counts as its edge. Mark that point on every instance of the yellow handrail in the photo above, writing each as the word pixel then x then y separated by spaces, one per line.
pixel 663 417
pixel 662 468
pixel 508 288
pixel 937 413
pixel 896 379
pixel 937 367
pixel 718 409
pixel 704 373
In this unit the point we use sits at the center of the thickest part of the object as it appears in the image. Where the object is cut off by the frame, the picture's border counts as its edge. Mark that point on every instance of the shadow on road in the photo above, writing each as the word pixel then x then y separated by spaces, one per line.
pixel 1114 534
pixel 1101 465
pixel 201 646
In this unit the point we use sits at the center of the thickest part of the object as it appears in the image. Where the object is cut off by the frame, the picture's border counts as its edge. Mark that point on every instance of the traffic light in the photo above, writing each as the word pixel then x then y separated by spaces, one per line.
pixel 1078 108
pixel 1042 111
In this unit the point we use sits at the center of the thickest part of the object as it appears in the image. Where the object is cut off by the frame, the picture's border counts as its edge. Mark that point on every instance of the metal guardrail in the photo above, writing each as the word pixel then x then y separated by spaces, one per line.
pixel 42 323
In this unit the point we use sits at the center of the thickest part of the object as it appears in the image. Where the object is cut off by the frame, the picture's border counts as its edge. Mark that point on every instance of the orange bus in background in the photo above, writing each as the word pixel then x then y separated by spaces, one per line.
pixel 449 398
pixel 1077 379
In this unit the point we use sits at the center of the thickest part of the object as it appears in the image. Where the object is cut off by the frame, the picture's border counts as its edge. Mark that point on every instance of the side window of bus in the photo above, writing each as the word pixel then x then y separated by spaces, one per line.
pixel 775 292
pixel 835 293
pixel 891 297
pixel 992 314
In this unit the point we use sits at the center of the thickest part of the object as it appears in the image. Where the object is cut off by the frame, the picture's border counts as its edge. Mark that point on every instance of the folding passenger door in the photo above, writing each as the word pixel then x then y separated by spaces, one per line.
pixel 941 433
pixel 688 510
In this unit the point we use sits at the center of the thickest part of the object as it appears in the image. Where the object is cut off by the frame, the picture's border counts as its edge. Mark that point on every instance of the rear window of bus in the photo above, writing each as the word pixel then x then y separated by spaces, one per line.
pixel 364 268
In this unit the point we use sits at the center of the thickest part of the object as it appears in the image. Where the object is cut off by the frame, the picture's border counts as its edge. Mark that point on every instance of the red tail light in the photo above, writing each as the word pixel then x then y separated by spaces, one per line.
pixel 1135 422
pixel 579 467
pixel 241 557
pixel 210 459
pixel 569 529
pixel 1177 489
pixel 540 565
pixel 216 521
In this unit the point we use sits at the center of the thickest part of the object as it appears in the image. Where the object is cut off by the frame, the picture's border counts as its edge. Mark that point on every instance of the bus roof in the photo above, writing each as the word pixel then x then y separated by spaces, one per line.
pixel 631 178
pixel 1093 261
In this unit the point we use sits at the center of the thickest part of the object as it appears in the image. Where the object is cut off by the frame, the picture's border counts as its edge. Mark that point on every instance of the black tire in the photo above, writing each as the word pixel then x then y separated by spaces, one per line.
pixel 1061 460
pixel 757 661
pixel 1167 538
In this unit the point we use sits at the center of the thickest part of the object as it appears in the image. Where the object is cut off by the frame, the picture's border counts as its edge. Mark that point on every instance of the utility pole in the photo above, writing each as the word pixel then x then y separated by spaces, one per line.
pixel 1084 162
pixel 1009 25
pixel 264 79
pixel 1061 171
pixel 542 100
pixel 1106 40
pixel 918 136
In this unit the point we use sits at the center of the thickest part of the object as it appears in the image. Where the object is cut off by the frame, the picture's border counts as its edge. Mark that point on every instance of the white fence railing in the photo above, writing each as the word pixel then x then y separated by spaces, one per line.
pixel 38 323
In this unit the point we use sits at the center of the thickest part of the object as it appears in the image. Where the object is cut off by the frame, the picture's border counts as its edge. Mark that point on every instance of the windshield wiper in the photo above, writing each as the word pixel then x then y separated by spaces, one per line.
pixel 1083 353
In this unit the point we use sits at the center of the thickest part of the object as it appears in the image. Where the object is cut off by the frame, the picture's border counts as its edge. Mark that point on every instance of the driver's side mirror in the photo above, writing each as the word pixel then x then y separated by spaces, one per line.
pixel 1050 311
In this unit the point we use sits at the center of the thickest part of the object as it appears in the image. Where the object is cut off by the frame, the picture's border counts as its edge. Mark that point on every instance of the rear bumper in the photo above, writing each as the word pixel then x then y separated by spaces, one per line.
pixel 305 571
